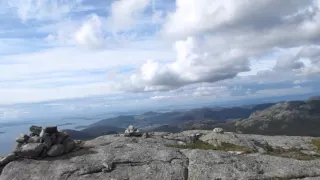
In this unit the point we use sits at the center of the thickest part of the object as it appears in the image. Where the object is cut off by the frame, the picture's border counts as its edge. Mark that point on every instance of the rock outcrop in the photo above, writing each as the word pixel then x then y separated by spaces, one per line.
pixel 170 156
pixel 41 142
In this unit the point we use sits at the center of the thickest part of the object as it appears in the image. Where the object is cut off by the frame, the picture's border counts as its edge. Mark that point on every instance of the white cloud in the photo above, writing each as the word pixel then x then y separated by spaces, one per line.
pixel 194 64
pixel 212 91
pixel 288 63
pixel 43 9
pixel 90 33
pixel 198 16
pixel 161 97
pixel 125 13
pixel 29 94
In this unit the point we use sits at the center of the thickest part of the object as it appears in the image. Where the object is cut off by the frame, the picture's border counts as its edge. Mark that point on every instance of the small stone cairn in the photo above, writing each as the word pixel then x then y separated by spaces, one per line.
pixel 132 131
pixel 218 130
pixel 42 142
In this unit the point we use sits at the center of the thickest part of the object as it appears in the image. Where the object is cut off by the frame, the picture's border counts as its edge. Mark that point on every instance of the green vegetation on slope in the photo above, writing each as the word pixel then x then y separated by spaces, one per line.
pixel 316 143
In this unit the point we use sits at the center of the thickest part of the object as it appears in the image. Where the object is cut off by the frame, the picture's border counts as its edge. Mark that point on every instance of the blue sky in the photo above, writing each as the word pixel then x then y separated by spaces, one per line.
pixel 151 52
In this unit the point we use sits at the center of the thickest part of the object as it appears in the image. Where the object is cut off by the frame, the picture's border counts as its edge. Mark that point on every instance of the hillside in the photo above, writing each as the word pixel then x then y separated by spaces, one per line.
pixel 299 118
pixel 178 119
pixel 295 118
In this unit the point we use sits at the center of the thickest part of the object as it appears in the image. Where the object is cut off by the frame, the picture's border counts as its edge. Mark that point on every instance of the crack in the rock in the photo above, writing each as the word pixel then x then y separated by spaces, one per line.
pixel 69 173
pixel 186 170
pixel 91 170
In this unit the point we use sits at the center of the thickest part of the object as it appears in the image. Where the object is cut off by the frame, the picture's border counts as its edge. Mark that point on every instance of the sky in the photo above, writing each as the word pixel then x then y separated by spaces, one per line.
pixel 129 53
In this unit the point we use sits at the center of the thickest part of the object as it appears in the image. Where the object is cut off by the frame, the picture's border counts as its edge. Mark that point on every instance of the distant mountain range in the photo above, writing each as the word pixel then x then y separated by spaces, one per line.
pixel 92 132
pixel 295 118
pixel 284 118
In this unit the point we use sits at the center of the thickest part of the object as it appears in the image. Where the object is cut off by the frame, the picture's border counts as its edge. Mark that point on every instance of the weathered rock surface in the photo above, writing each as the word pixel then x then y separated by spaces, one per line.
pixel 117 157
pixel 30 150
pixel 56 150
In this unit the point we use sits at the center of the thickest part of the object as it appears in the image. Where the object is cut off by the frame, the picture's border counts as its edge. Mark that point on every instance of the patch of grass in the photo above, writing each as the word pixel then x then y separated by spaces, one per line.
pixel 316 143
pixel 292 153
pixel 205 146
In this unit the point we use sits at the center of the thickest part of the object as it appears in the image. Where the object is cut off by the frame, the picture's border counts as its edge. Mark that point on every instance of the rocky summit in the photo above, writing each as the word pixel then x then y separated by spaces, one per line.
pixel 192 155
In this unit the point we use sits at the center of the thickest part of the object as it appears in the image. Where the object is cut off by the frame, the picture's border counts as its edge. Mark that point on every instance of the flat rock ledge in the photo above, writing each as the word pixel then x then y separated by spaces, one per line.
pixel 163 156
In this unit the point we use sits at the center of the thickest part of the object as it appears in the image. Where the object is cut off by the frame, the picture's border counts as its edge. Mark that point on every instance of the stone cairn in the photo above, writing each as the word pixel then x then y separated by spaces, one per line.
pixel 131 131
pixel 42 142
pixel 218 130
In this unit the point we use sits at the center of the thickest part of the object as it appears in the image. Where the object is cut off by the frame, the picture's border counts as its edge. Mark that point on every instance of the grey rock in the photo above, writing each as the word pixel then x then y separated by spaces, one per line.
pixel 68 145
pixel 9 158
pixel 47 141
pixel 126 158
pixel 24 136
pixel 51 129
pixel 145 135
pixel 260 141
pixel 17 147
pixel 42 133
pixel 61 136
pixel 108 166
pixel 30 150
pixel 133 134
pixel 35 130
pixel 218 130
pixel 54 138
pixel 116 157
pixel 20 140
pixel 130 129
pixel 43 153
pixel 34 139
pixel 207 165
pixel 56 150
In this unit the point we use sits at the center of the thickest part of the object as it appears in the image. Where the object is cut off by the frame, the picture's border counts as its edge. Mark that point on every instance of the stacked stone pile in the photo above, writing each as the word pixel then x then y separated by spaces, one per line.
pixel 132 131
pixel 42 142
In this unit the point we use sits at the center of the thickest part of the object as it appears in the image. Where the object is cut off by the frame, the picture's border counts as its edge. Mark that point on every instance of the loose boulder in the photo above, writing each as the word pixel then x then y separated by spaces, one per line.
pixel 51 129
pixel 56 150
pixel 11 157
pixel 145 135
pixel 35 130
pixel 34 139
pixel 68 145
pixel 30 150
pixel 60 137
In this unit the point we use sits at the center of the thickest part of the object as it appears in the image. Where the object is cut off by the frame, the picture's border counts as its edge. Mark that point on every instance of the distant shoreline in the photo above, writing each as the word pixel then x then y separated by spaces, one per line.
pixel 2 132
pixel 65 124
pixel 81 127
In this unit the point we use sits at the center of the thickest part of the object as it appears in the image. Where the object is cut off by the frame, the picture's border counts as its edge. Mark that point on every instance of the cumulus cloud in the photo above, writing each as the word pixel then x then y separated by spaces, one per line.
pixel 124 13
pixel 199 16
pixel 193 64
pixel 43 9
pixel 90 34
pixel 288 63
